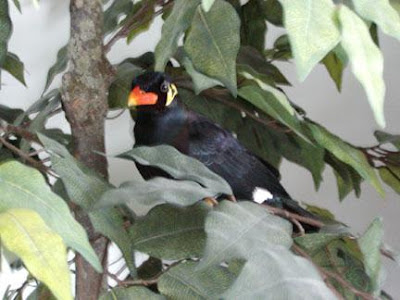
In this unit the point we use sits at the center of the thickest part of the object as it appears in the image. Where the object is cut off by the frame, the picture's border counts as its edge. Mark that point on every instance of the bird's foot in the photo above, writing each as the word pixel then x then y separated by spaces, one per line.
pixel 211 201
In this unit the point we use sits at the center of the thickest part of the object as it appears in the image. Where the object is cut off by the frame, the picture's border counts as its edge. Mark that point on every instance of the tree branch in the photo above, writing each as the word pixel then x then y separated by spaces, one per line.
pixel 84 97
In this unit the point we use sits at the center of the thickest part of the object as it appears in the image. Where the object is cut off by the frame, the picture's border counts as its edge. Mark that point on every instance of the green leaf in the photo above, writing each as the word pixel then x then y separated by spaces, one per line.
pixel 177 22
pixel 179 166
pixel 338 253
pixel 251 61
pixel 113 13
pixel 201 82
pixel 146 19
pixel 253 26
pixel 121 86
pixel 276 272
pixel 10 114
pixel 274 103
pixel 207 4
pixel 15 67
pixel 273 11
pixel 347 178
pixel 128 293
pixel 347 154
pixel 365 58
pixel 24 187
pixel 213 48
pixel 140 196
pixel 5 30
pixel 381 13
pixel 297 150
pixel 391 176
pixel 17 5
pixel 85 188
pixel 312 31
pixel 384 137
pixel 43 252
pixel 171 232
pixel 370 245
pixel 59 66
pixel 186 281
pixel 335 68
pixel 238 230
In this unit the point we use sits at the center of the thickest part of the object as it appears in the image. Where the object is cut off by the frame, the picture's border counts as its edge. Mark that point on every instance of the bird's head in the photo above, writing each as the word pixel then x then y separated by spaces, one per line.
pixel 152 91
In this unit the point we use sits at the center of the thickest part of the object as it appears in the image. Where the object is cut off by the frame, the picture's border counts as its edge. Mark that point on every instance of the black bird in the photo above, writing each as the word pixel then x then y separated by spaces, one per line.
pixel 162 119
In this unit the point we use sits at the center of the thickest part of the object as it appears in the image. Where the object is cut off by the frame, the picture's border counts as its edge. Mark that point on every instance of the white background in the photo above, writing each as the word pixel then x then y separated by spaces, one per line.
pixel 38 34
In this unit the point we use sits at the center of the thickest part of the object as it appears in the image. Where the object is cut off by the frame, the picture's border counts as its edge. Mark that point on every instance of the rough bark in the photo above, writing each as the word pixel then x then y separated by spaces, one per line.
pixel 85 88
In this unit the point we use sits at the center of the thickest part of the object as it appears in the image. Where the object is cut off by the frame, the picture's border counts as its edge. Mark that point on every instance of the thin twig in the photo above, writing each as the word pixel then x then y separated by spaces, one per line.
pixel 154 279
pixel 34 163
pixel 130 25
pixel 292 216
pixel 325 274
pixel 116 116
pixel 22 132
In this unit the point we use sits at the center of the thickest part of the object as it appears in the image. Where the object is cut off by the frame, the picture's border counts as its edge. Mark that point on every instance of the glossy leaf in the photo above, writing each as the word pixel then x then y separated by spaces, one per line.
pixel 253 25
pixel 185 281
pixel 146 19
pixel 5 31
pixel 24 187
pixel 253 62
pixel 274 103
pixel 177 22
pixel 171 232
pixel 391 176
pixel 128 293
pixel 338 253
pixel 113 14
pixel 384 137
pixel 85 188
pixel 347 178
pixel 277 273
pixel 59 66
pixel 121 85
pixel 335 67
pixel 370 245
pixel 206 4
pixel 15 67
pixel 213 48
pixel 312 31
pixel 17 5
pixel 381 13
pixel 140 196
pixel 179 166
pixel 273 11
pixel 346 153
pixel 201 82
pixel 10 114
pixel 365 58
pixel 237 231
pixel 43 252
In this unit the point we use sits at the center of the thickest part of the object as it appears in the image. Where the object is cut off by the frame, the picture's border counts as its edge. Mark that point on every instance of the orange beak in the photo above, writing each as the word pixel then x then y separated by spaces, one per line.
pixel 139 97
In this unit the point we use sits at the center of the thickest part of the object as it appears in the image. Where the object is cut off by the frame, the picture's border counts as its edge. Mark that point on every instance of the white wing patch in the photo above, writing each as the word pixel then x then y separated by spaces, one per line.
pixel 260 195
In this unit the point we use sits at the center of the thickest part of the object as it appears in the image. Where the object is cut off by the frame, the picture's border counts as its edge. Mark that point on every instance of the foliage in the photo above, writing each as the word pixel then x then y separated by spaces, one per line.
pixel 223 71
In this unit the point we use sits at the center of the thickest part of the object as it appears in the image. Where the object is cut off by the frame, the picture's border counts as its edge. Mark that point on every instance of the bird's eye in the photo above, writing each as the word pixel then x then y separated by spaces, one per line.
pixel 164 87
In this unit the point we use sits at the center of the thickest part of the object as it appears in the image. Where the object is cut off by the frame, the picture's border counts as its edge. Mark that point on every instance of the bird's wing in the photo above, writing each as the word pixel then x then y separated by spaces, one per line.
pixel 219 150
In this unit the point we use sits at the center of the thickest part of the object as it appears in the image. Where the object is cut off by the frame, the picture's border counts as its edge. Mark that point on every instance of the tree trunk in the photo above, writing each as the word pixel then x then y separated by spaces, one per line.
pixel 85 88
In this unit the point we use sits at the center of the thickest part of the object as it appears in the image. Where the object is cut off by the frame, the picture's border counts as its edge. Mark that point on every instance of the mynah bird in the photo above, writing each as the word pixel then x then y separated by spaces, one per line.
pixel 163 119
